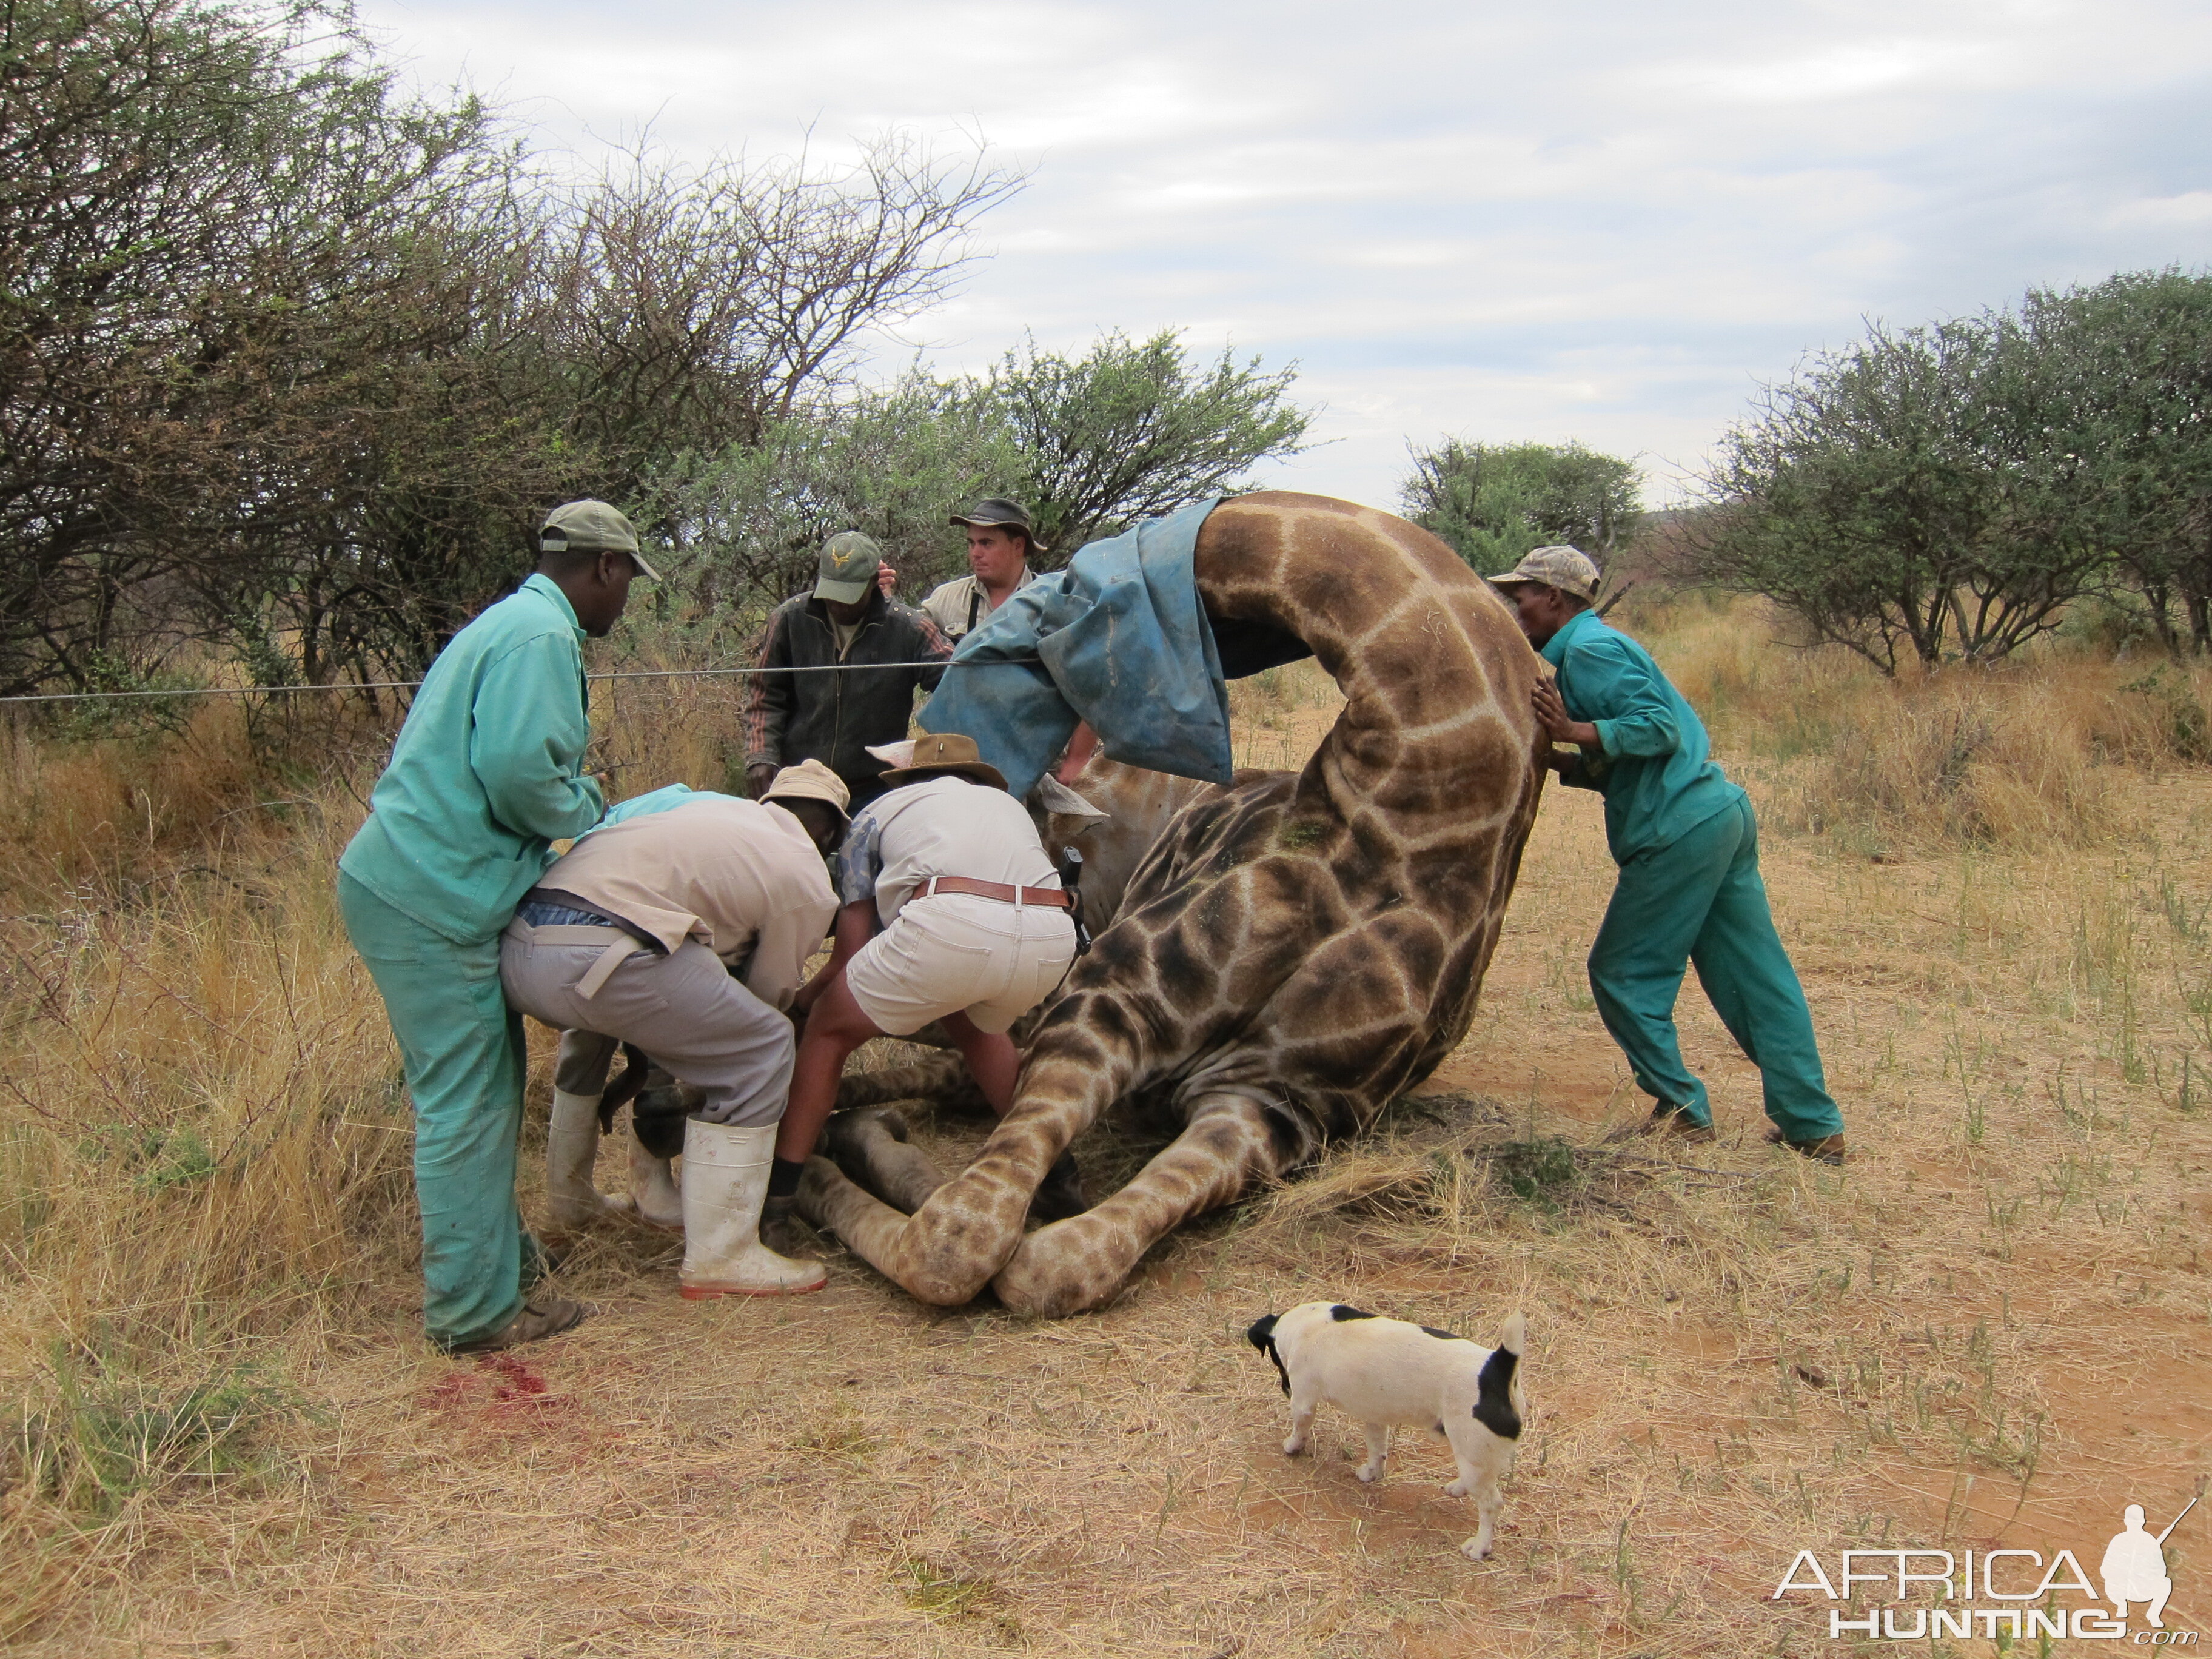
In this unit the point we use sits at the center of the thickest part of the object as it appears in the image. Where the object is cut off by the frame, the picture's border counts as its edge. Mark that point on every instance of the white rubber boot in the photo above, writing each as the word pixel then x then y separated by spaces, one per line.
pixel 653 1190
pixel 724 1183
pixel 571 1145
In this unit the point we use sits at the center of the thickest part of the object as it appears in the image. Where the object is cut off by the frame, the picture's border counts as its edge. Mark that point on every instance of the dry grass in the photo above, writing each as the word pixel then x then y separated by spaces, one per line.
pixel 225 1435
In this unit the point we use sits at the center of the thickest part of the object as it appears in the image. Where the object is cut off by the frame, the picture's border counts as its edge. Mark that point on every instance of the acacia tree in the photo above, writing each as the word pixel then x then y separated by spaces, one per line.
pixel 190 198
pixel 748 522
pixel 1132 429
pixel 289 361
pixel 1494 503
pixel 1913 494
pixel 2134 357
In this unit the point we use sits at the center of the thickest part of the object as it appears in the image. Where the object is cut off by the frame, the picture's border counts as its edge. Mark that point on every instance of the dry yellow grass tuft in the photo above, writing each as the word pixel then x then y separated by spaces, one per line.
pixel 223 1434
pixel 2021 754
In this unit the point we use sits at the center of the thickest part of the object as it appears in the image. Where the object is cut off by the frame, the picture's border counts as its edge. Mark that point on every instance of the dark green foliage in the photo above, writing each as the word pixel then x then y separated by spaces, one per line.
pixel 1091 444
pixel 1132 430
pixel 1949 491
pixel 292 363
pixel 1495 502
pixel 2133 354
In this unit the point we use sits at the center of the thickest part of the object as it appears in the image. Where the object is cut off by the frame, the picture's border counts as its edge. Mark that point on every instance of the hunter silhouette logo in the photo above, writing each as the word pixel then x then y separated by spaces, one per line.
pixel 2133 1570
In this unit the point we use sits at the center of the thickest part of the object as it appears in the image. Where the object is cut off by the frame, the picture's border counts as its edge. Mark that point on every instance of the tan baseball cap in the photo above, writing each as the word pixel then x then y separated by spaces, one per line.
pixel 588 526
pixel 848 568
pixel 1567 569
pixel 811 780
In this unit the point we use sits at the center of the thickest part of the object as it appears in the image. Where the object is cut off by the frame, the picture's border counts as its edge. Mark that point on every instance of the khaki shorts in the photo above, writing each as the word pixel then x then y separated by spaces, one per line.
pixel 955 953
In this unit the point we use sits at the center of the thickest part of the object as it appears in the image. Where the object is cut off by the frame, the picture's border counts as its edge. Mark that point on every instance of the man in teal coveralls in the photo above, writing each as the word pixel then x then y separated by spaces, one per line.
pixel 486 773
pixel 1687 847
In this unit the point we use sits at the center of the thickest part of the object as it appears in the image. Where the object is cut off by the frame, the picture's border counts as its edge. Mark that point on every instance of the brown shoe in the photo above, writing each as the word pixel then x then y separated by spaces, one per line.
pixel 1825 1149
pixel 1673 1121
pixel 547 1316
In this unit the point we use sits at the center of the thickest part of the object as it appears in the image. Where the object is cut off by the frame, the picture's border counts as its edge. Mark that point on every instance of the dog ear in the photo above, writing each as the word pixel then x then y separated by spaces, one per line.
pixel 1261 1336
pixel 1493 1401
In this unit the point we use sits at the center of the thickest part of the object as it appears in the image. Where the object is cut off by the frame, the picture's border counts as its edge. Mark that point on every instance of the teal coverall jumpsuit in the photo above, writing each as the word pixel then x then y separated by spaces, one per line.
pixel 1689 891
pixel 484 775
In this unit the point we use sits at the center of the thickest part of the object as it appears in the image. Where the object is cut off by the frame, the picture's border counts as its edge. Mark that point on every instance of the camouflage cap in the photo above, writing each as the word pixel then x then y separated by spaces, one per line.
pixel 1567 569
pixel 1005 514
pixel 847 568
pixel 588 526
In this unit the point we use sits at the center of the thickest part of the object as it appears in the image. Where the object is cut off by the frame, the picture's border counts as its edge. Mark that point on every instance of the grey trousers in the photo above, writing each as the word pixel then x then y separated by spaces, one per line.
pixel 690 1018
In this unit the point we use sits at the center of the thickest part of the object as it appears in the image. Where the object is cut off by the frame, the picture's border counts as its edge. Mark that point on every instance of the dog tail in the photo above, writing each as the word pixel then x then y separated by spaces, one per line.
pixel 1261 1336
pixel 1493 1405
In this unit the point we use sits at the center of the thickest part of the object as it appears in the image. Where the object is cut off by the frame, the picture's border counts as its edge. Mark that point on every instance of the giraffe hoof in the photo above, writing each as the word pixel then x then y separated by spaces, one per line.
pixel 1042 1282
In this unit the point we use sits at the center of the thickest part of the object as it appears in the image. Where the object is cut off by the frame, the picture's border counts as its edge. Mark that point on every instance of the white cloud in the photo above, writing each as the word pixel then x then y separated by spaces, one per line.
pixel 1587 220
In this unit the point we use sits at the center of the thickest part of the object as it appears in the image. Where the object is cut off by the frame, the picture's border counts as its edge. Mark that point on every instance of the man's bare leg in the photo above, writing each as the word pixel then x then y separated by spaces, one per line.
pixel 993 1060
pixel 835 1027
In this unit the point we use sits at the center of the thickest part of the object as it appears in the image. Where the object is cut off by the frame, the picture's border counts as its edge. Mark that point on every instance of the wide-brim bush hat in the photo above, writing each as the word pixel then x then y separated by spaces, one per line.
pixel 997 510
pixel 937 753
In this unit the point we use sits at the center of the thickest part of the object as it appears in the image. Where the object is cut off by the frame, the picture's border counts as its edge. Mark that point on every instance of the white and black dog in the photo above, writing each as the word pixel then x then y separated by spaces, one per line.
pixel 1385 1371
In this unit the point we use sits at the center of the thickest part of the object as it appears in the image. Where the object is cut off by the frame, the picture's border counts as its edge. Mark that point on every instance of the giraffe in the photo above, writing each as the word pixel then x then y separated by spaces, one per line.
pixel 1294 952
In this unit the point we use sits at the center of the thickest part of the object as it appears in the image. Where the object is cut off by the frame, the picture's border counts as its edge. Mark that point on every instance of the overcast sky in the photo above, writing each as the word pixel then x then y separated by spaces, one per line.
pixel 1581 219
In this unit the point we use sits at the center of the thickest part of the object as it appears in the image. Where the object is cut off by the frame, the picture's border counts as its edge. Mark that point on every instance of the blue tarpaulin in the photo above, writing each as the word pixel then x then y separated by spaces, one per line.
pixel 1118 639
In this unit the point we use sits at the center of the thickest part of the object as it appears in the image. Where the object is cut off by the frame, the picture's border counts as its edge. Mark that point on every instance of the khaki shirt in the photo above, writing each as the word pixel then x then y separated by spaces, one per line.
pixel 742 877
pixel 950 605
pixel 943 826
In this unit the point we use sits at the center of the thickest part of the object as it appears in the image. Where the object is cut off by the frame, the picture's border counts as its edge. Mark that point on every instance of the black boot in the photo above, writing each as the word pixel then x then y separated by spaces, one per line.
pixel 782 1231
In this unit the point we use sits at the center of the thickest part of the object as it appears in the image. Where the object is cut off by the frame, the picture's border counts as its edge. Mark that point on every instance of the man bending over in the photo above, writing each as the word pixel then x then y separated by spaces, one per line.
pixel 684 928
pixel 952 913
pixel 486 775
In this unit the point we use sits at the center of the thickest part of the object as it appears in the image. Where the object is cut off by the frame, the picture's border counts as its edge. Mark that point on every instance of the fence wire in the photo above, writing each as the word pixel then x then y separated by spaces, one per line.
pixel 409 686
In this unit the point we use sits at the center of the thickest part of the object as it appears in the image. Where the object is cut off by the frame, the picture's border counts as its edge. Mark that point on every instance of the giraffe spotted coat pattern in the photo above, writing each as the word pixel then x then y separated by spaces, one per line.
pixel 1294 952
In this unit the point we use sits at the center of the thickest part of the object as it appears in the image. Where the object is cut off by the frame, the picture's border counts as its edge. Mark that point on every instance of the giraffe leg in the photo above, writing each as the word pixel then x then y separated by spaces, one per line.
pixel 937 1078
pixel 1084 1261
pixel 871 1148
pixel 947 1250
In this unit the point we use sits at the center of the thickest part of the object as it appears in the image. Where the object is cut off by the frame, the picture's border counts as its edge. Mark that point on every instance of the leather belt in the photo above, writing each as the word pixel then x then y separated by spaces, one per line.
pixel 633 940
pixel 1050 898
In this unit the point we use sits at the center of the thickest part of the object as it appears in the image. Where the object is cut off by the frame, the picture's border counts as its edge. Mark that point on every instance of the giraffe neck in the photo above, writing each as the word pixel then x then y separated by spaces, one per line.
pixel 1420 744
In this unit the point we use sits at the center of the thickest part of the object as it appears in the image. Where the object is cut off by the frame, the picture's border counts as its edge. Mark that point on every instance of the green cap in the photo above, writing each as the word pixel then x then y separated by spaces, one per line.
pixel 591 526
pixel 848 569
